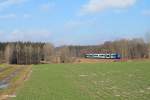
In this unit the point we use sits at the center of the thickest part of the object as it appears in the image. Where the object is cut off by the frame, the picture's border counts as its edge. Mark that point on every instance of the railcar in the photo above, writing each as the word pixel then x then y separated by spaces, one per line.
pixel 103 56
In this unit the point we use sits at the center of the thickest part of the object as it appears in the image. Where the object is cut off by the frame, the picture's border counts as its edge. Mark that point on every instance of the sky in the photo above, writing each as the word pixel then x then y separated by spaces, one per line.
pixel 73 22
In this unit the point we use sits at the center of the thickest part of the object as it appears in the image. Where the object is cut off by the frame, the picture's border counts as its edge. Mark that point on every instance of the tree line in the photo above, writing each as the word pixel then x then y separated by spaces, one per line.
pixel 35 53
pixel 24 52
pixel 128 49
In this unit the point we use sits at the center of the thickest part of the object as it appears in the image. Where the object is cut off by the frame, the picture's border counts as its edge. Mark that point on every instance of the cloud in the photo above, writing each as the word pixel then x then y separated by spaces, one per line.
pixel 47 6
pixel 15 16
pixel 94 6
pixel 75 25
pixel 146 12
pixel 8 16
pixel 7 3
pixel 27 16
pixel 21 35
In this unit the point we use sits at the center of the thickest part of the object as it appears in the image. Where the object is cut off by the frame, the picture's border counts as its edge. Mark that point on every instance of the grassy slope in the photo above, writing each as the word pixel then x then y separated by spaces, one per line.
pixel 111 81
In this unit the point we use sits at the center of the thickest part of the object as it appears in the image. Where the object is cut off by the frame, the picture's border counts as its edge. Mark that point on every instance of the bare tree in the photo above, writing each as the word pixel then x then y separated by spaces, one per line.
pixel 48 51
pixel 148 42
pixel 65 56
pixel 9 52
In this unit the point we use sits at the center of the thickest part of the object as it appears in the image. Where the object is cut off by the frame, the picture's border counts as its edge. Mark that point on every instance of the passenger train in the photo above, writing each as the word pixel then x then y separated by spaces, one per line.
pixel 103 56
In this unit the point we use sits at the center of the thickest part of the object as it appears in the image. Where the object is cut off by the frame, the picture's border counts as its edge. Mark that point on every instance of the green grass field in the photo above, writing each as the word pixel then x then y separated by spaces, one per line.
pixel 100 81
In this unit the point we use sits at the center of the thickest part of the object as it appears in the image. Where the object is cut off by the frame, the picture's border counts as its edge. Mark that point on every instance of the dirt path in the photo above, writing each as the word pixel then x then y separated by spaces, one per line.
pixel 13 81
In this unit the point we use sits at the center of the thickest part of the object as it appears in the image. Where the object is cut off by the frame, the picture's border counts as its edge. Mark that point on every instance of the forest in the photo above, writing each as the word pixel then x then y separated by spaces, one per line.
pixel 38 52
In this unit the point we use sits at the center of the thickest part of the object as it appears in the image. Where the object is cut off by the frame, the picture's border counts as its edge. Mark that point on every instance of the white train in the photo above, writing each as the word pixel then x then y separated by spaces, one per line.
pixel 103 56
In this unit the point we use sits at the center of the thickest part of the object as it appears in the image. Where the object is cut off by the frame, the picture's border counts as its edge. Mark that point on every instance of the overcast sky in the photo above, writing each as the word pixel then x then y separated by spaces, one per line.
pixel 73 21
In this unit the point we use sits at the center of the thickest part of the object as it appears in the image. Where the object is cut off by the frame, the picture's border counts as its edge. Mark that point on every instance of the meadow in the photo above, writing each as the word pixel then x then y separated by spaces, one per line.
pixel 97 81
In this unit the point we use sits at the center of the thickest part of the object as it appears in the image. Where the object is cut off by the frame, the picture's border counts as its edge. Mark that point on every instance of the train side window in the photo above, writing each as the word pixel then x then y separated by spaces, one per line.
pixel 107 55
pixel 113 55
